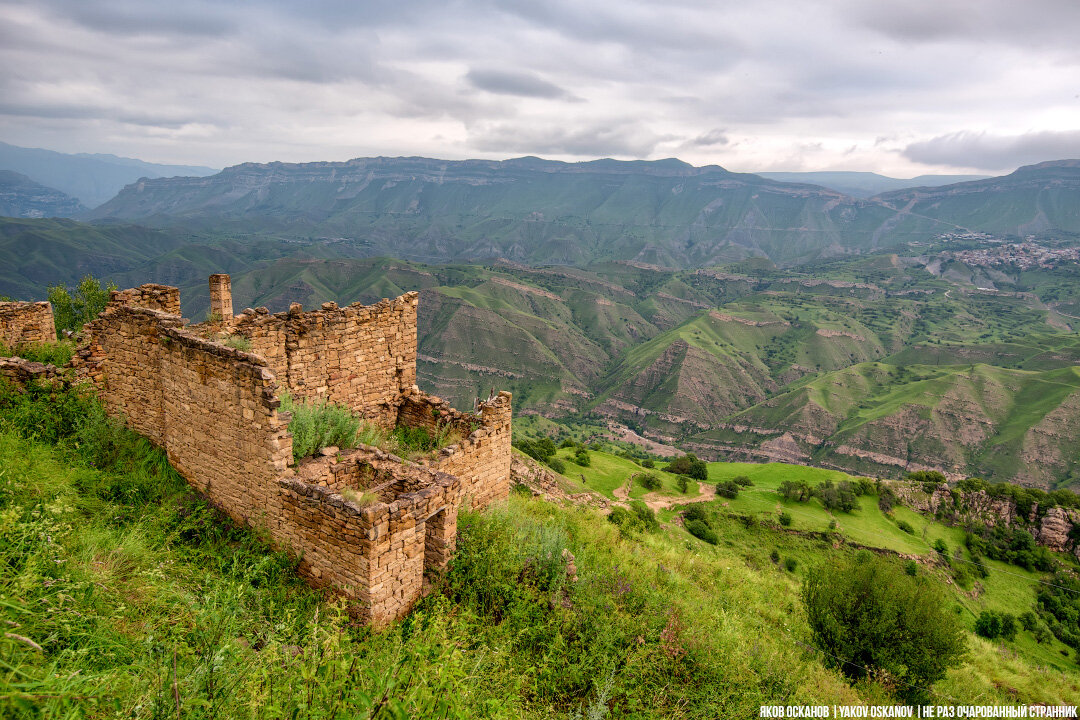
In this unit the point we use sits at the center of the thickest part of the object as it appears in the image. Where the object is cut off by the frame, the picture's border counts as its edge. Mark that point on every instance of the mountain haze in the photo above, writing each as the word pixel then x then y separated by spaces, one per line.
pixel 92 179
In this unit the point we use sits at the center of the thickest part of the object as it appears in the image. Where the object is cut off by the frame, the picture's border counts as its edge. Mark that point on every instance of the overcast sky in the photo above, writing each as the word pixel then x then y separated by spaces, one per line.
pixel 902 87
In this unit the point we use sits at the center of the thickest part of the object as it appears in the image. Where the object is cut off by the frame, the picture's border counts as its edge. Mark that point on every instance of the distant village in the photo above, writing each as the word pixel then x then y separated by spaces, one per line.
pixel 1025 255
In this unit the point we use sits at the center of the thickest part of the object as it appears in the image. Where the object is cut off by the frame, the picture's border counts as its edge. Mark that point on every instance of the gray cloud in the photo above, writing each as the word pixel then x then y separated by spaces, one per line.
pixel 625 140
pixel 709 139
pixel 982 151
pixel 502 82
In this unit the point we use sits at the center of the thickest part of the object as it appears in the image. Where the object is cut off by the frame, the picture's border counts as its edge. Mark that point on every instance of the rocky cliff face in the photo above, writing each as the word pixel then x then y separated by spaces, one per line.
pixel 1057 529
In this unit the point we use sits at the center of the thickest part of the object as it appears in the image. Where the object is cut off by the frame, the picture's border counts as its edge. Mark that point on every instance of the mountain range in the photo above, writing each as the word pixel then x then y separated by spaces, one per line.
pixel 91 178
pixel 541 212
pixel 731 314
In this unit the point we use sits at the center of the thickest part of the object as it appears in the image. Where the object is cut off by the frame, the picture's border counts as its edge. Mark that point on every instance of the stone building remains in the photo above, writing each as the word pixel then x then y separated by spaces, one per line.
pixel 364 522
pixel 26 323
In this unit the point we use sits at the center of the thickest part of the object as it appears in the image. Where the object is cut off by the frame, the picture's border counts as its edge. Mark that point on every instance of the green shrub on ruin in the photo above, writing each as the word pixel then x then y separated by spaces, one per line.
pixel 319 424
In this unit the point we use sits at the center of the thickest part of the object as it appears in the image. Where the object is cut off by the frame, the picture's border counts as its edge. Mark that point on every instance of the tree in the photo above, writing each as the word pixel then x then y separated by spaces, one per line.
pixel 74 308
pixel 867 614
pixel 689 465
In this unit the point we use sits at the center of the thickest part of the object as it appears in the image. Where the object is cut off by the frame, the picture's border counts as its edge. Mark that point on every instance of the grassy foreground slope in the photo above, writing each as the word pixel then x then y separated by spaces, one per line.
pixel 125 595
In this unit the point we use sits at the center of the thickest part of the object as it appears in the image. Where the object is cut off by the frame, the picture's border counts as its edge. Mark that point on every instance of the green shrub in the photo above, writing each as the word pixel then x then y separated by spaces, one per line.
pixel 646 515
pixel 648 463
pixel 727 489
pixel 581 457
pixel 790 564
pixel 649 481
pixel 742 481
pixel 556 464
pixel 840 496
pixel 54 353
pixel 855 606
pixel 911 568
pixel 238 342
pixel 988 624
pixel 940 547
pixel 886 500
pixel 696 512
pixel 700 530
pixel 683 482
pixel 74 307
pixel 317 425
pixel 785 518
pixel 1029 621
pixel 638 518
pixel 540 449
pixel 905 526
pixel 775 555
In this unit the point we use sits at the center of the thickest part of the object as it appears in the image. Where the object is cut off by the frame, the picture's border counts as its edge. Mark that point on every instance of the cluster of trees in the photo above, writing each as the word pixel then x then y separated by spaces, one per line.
pixel 1011 545
pixel 730 488
pixel 1025 498
pixel 1058 603
pixel 993 625
pixel 842 496
pixel 689 465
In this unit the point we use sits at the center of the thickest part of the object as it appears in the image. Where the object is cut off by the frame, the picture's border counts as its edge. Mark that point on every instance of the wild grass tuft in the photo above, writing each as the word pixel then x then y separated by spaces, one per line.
pixel 318 424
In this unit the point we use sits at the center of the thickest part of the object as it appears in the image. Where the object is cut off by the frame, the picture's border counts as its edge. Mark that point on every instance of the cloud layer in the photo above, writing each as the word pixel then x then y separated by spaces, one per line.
pixel 901 88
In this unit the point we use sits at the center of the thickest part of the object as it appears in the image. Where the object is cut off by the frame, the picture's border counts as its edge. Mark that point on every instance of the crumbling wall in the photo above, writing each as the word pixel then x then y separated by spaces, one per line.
pixel 122 358
pixel 23 372
pixel 214 409
pixel 482 458
pixel 376 553
pixel 222 428
pixel 150 296
pixel 360 356
pixel 25 323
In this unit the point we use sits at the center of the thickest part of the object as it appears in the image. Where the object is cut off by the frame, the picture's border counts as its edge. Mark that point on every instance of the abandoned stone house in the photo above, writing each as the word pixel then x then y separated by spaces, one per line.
pixel 215 411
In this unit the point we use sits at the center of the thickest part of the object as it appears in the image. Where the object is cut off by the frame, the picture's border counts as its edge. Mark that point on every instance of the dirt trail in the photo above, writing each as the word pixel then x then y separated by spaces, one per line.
pixel 662 502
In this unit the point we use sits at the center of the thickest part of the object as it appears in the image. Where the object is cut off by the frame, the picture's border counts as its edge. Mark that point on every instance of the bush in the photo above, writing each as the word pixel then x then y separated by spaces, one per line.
pixel 775 555
pixel 683 483
pixel 868 614
pixel 238 342
pixel 647 463
pixel 689 465
pixel 581 457
pixel 863 486
pixel 742 481
pixel 911 568
pixel 941 547
pixel 556 464
pixel 988 624
pixel 538 449
pixel 727 488
pixel 317 425
pixel 696 512
pixel 790 564
pixel 785 518
pixel 1029 621
pixel 73 308
pixel 700 530
pixel 905 526
pixel 49 353
pixel 929 478
pixel 645 514
pixel 649 481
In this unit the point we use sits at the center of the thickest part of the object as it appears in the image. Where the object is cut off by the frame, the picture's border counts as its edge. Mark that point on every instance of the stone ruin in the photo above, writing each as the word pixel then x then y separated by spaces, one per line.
pixel 26 323
pixel 364 522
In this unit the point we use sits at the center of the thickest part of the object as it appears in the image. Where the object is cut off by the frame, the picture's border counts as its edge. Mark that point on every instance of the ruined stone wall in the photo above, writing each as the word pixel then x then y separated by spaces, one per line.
pixel 23 372
pixel 150 296
pixel 375 554
pixel 25 323
pixel 222 428
pixel 359 356
pixel 122 358
pixel 482 458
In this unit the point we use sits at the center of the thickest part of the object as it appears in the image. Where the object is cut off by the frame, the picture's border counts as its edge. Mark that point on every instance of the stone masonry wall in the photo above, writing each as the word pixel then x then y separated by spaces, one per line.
pixel 359 356
pixel 151 296
pixel 214 410
pixel 24 323
pixel 482 458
